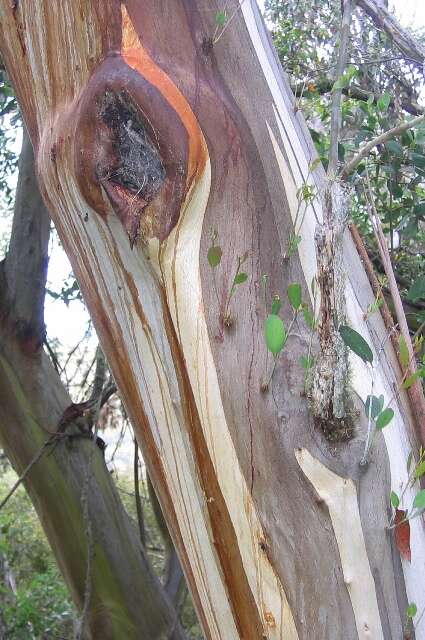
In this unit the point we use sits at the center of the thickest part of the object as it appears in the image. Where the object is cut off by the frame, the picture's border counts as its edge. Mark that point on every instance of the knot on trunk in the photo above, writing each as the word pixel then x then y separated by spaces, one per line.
pixel 135 173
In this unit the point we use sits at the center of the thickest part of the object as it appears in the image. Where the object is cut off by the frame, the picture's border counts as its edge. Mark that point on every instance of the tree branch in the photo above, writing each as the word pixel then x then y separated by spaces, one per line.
pixel 417 399
pixel 325 85
pixel 27 257
pixel 26 471
pixel 384 20
pixel 137 498
pixel 381 139
pixel 337 93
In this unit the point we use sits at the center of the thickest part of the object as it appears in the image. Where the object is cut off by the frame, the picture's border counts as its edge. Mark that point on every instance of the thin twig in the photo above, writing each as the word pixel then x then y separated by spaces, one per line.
pixel 381 139
pixel 52 355
pixel 337 93
pixel 26 471
pixel 139 507
pixel 97 390
pixel 370 424
pixel 119 441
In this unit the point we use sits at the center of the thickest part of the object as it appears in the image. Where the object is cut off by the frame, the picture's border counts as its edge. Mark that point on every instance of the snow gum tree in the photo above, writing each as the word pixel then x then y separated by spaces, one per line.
pixel 183 184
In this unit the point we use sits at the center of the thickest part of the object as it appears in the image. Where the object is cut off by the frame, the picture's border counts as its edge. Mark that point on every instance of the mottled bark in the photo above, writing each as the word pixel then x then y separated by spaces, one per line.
pixel 150 137
pixel 127 598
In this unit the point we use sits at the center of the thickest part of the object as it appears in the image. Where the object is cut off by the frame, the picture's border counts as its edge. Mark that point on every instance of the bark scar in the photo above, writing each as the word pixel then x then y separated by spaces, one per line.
pixel 136 174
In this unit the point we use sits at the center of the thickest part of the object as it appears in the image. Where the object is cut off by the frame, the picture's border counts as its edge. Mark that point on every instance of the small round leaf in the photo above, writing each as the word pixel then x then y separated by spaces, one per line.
pixel 419 501
pixel 420 470
pixel 240 277
pixel 404 351
pixel 395 500
pixel 384 418
pixel 221 18
pixel 275 334
pixel 214 256
pixel 276 305
pixel 294 295
pixel 356 343
pixel 376 408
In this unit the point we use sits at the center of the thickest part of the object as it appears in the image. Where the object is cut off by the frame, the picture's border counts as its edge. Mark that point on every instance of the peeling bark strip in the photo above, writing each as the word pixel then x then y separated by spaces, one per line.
pixel 218 147
pixel 330 394
pixel 340 496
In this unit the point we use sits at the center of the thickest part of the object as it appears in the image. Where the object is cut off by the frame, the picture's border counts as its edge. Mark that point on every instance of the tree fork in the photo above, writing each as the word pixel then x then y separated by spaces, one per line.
pixel 147 141
pixel 125 595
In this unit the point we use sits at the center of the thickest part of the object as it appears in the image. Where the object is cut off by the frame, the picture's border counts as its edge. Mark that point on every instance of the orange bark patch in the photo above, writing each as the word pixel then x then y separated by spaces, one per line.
pixel 402 534
pixel 136 56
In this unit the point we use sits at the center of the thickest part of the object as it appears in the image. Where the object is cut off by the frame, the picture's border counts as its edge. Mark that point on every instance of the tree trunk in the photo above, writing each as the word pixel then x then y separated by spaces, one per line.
pixel 158 135
pixel 126 598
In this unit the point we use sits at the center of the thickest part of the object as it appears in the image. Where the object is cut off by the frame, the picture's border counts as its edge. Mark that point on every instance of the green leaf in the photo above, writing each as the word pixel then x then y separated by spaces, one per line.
pixel 411 610
pixel 420 317
pixel 420 470
pixel 221 18
pixel 417 290
pixel 341 83
pixel 306 362
pixel 308 317
pixel 395 188
pixel 409 461
pixel 417 159
pixel 240 278
pixel 404 351
pixel 356 343
pixel 395 500
pixel 395 148
pixel 384 102
pixel 314 164
pixel 419 501
pixel 276 305
pixel 344 80
pixel 411 379
pixel 384 418
pixel 214 256
pixel 375 306
pixel 419 209
pixel 275 334
pixel 376 408
pixel 294 295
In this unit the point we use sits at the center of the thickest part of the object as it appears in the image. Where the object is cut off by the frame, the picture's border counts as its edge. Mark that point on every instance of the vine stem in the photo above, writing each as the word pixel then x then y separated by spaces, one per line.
pixel 370 428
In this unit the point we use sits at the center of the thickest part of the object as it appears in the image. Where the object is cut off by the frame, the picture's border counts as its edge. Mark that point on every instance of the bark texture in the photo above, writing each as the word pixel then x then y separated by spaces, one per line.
pixel 127 599
pixel 280 533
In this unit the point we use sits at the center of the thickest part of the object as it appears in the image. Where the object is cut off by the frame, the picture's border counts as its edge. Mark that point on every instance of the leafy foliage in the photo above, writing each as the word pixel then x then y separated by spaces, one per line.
pixel 10 124
pixel 380 90
pixel 40 607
